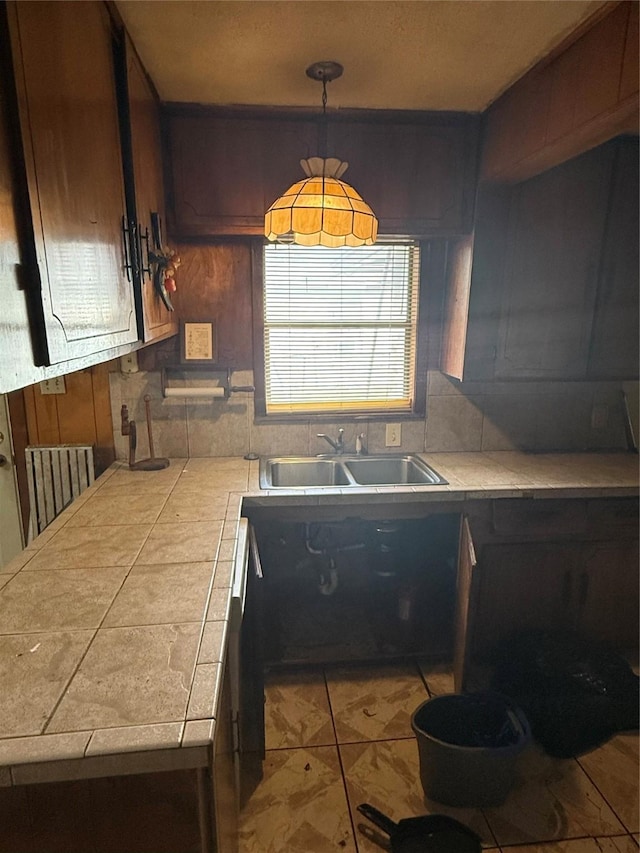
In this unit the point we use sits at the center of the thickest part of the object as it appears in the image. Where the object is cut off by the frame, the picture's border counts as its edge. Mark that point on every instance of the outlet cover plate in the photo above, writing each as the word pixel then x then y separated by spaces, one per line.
pixel 393 435
pixel 53 386
pixel 129 363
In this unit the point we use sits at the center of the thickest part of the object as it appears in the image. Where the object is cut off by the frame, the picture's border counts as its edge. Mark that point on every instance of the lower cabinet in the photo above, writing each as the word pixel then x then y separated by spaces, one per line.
pixel 147 813
pixel 607 594
pixel 560 574
pixel 223 774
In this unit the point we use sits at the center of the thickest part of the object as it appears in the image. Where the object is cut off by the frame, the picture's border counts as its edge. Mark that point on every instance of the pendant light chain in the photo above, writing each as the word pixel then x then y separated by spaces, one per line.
pixel 323 129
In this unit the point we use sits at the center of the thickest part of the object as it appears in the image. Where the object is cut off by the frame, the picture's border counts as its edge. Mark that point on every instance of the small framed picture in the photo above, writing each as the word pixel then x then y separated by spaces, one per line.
pixel 198 344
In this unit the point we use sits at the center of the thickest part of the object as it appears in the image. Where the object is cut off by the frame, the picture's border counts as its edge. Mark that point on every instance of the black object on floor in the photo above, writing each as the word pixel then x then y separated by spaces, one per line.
pixel 427 834
pixel 576 693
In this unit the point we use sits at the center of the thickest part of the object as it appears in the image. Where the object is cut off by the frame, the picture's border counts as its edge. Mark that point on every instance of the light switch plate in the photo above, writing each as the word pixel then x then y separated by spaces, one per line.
pixel 393 435
pixel 53 386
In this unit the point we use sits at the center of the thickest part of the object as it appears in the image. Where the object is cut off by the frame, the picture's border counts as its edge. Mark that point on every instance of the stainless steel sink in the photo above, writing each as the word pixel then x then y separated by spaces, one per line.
pixel 392 471
pixel 300 473
pixel 304 472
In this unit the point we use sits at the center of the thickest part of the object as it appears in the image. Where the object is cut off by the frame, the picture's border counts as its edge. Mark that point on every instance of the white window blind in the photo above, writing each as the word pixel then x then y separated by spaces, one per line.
pixel 340 327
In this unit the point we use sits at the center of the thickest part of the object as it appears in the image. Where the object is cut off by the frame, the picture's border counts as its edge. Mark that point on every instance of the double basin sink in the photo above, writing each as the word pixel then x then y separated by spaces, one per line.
pixel 304 472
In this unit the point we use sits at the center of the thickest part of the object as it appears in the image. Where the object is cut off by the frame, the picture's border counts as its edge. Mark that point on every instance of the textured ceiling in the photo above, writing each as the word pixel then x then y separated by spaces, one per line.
pixel 424 54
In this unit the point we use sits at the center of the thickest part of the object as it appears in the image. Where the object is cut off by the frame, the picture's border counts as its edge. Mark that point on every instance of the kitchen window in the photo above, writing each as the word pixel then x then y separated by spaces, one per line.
pixel 339 329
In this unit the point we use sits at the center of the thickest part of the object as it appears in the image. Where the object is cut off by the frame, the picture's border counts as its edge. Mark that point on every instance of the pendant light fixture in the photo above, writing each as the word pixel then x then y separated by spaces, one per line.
pixel 322 210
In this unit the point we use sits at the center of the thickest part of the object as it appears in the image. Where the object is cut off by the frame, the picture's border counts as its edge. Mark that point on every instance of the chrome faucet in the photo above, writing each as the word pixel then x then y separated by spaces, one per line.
pixel 337 444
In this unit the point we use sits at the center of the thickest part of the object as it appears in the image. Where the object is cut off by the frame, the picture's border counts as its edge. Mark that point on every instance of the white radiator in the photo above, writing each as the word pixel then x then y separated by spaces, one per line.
pixel 56 476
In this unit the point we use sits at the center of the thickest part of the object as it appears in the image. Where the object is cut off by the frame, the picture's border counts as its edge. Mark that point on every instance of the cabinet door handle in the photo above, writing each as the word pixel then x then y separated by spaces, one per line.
pixel 566 588
pixel 253 545
pixel 127 248
pixel 584 589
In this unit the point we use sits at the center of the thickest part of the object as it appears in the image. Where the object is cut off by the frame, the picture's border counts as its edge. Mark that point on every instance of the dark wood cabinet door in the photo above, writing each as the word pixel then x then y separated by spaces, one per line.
pixel 551 272
pixel 147 187
pixel 226 172
pixel 614 350
pixel 419 177
pixel 415 176
pixel 523 585
pixel 66 89
pixel 466 606
pixel 607 592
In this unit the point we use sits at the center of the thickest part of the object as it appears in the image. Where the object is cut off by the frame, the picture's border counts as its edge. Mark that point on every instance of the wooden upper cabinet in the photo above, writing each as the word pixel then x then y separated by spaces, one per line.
pixel 141 138
pixel 226 172
pixel 555 241
pixel 584 96
pixel 417 175
pixel 419 178
pixel 614 347
pixel 551 289
pixel 63 64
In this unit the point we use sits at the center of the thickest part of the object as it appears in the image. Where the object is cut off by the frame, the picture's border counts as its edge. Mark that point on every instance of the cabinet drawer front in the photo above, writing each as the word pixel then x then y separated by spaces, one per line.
pixel 613 516
pixel 539 519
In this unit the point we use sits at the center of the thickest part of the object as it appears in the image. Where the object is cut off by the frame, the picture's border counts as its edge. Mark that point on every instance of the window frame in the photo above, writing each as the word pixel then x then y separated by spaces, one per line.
pixel 424 352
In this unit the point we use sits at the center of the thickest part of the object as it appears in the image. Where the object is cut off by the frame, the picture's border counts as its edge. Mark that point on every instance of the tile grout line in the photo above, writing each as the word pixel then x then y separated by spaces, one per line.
pixel 342 773
pixel 602 794
pixel 86 651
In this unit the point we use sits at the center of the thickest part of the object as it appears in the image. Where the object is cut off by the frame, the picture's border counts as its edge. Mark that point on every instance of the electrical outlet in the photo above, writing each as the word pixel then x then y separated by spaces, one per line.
pixel 129 363
pixel 53 386
pixel 393 435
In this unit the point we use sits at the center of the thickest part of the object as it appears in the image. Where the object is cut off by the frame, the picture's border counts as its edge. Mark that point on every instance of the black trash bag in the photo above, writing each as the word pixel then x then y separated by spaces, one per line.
pixel 576 693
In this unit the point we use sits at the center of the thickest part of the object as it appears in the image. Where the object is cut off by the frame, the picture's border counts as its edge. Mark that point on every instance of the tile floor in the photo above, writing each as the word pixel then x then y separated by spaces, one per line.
pixel 339 736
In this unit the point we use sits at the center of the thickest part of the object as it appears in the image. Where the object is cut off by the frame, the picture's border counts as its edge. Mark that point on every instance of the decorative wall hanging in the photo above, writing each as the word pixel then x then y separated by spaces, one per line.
pixel 198 343
pixel 322 210
pixel 162 262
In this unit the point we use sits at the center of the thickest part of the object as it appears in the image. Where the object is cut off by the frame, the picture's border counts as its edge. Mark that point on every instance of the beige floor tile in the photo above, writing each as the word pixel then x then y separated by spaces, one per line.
pixel 300 805
pixel 439 677
pixel 387 775
pixel 374 703
pixel 131 676
pixel 153 595
pixel 297 710
pixel 34 671
pixel 192 506
pixel 127 509
pixel 621 844
pixel 87 547
pixel 58 601
pixel 552 799
pixel 613 768
pixel 190 542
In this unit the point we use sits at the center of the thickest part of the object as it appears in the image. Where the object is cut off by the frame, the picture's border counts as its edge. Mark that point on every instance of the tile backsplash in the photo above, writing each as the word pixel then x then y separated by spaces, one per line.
pixel 461 416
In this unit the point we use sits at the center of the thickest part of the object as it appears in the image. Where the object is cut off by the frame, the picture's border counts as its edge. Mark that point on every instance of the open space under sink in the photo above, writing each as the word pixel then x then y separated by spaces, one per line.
pixel 305 472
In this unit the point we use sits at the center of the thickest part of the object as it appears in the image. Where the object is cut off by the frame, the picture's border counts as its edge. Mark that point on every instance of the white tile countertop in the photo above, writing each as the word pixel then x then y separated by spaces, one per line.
pixel 113 621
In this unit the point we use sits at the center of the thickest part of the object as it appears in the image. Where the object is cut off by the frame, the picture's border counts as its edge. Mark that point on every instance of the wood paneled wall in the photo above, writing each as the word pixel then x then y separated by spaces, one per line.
pixel 214 283
pixel 82 415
